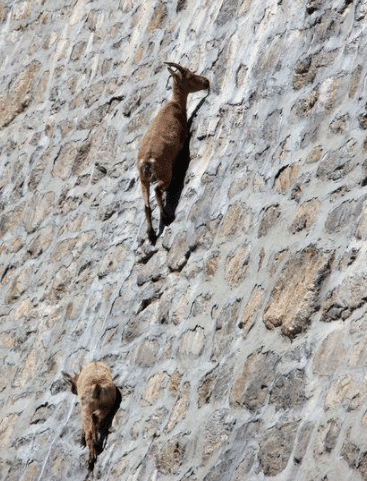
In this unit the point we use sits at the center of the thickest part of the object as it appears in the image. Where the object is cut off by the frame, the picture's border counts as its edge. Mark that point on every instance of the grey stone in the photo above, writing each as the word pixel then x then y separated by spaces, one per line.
pixel 288 390
pixel 276 447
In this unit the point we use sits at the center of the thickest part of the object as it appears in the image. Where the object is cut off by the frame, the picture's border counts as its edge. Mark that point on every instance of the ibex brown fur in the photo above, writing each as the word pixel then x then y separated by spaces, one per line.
pixel 97 396
pixel 164 139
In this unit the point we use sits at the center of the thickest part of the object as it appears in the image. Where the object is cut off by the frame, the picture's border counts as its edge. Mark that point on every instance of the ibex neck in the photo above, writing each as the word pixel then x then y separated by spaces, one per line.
pixel 179 95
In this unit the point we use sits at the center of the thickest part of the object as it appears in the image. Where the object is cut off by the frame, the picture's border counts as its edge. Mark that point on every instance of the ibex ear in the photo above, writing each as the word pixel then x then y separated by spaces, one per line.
pixel 71 381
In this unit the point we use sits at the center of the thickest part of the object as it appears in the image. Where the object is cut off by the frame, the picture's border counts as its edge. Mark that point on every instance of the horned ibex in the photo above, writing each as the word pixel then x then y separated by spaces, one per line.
pixel 164 139
pixel 97 396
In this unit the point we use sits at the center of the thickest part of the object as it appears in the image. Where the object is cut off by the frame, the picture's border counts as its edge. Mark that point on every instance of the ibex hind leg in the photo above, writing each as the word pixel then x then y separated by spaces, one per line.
pixel 164 218
pixel 148 212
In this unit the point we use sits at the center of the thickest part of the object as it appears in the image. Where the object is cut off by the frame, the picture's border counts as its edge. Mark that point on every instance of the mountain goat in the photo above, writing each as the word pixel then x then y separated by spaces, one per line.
pixel 99 399
pixel 163 140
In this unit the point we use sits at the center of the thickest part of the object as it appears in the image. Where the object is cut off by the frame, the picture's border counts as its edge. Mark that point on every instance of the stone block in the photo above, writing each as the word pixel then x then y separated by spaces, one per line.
pixel 19 285
pixel 216 432
pixel 344 299
pixel 336 164
pixel 225 328
pixel 154 389
pixel 288 390
pixel 330 355
pixel 147 353
pixel 269 219
pixel 276 446
pixel 252 308
pixel 64 160
pixel 158 18
pixel 181 407
pixel 237 264
pixel 286 178
pixel 237 220
pixel 15 100
pixel 305 216
pixel 191 343
pixel 327 437
pixel 252 383
pixel 170 457
pixel 294 298
pixel 343 216
pixel 37 209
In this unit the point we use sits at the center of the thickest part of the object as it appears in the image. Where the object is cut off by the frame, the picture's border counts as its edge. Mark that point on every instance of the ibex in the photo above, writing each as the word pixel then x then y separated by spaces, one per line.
pixel 97 396
pixel 163 140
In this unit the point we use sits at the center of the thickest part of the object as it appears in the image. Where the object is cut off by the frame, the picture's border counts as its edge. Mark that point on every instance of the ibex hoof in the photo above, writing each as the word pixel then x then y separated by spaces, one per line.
pixel 152 236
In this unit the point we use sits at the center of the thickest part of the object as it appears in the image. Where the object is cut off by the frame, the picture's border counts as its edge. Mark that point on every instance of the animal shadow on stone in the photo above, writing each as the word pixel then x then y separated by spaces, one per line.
pixel 105 427
pixel 180 167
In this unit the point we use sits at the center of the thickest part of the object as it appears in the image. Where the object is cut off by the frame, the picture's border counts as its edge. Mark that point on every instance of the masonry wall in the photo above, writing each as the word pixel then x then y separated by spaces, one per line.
pixel 239 341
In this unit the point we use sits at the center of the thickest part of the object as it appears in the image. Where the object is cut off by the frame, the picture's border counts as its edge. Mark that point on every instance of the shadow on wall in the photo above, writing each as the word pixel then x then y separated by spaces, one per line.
pixel 179 172
pixel 106 423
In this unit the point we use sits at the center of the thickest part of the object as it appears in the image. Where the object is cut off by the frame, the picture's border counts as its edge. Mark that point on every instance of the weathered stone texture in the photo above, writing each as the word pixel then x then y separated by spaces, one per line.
pixel 276 447
pixel 251 385
pixel 295 296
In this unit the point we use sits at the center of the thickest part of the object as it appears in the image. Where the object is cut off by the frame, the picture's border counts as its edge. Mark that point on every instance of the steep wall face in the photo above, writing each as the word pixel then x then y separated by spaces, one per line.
pixel 239 340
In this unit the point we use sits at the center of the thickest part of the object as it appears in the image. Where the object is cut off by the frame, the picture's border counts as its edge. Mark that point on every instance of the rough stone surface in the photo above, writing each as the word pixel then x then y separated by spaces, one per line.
pixel 295 296
pixel 269 232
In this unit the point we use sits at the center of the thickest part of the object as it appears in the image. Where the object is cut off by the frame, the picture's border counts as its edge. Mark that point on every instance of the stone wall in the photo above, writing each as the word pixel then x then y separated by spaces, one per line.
pixel 239 340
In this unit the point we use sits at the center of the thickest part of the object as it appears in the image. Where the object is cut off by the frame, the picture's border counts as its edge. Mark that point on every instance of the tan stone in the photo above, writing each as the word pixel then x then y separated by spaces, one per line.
pixel 211 265
pixel 236 265
pixel 62 249
pixel 41 242
pixel 354 82
pixel 23 309
pixel 175 381
pixel 286 178
pixel 180 409
pixel 37 210
pixel 158 19
pixel 7 426
pixel 170 457
pixel 10 221
pixel 61 285
pixel 20 284
pixel 295 295
pixel 2 11
pixel 112 260
pixel 64 160
pixel 269 219
pixel 304 107
pixel 244 7
pixel 216 434
pixel 305 216
pixel 315 154
pixel 252 307
pixel 154 389
pixel 236 221
pixel 32 472
pixel 31 364
pixel 17 99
